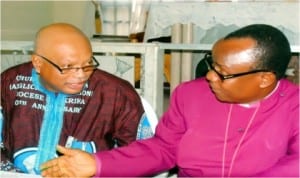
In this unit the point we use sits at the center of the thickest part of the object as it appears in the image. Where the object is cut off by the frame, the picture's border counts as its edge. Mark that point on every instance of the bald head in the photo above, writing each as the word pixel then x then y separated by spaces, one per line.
pixel 53 35
pixel 60 46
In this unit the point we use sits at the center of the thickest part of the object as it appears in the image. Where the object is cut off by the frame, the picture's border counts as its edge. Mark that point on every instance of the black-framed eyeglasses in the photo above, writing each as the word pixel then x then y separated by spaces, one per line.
pixel 67 70
pixel 209 63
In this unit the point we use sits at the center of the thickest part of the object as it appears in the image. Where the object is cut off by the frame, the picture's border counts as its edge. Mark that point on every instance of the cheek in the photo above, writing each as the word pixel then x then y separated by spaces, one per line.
pixel 230 92
pixel 240 91
pixel 228 95
pixel 52 81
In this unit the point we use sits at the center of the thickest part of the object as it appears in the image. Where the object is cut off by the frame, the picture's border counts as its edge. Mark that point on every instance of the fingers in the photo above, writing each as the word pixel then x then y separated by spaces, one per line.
pixel 48 164
pixel 52 171
pixel 71 164
pixel 55 168
pixel 64 150
pixel 55 173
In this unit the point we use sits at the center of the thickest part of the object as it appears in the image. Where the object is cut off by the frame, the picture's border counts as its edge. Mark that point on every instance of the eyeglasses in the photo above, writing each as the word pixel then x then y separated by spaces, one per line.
pixel 67 70
pixel 209 63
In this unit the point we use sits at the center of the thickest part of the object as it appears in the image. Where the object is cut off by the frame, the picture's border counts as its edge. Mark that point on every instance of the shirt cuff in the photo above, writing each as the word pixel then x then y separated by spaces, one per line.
pixel 98 166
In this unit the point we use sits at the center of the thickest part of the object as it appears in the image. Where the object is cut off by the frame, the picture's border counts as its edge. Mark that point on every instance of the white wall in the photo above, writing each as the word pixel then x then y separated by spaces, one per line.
pixel 20 20
pixel 78 13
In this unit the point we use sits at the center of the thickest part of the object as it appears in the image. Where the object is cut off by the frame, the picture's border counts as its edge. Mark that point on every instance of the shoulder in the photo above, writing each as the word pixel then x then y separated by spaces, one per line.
pixel 195 86
pixel 288 88
pixel 193 91
pixel 103 77
pixel 11 73
pixel 285 98
pixel 107 83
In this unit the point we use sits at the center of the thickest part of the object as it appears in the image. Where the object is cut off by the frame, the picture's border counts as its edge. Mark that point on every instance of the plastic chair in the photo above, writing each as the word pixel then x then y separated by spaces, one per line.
pixel 148 122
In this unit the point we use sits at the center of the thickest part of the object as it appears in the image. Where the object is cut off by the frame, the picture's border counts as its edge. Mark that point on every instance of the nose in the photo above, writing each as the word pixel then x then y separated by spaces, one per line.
pixel 212 76
pixel 79 72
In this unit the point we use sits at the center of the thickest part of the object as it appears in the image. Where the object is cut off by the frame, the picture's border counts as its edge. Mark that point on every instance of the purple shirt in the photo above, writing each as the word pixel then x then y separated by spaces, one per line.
pixel 201 137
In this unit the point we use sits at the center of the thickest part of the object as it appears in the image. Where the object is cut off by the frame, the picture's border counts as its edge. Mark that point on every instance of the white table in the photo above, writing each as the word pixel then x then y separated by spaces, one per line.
pixel 5 174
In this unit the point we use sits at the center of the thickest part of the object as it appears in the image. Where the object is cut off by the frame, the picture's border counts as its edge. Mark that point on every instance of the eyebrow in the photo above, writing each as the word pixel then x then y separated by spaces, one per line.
pixel 70 63
pixel 219 65
pixel 225 70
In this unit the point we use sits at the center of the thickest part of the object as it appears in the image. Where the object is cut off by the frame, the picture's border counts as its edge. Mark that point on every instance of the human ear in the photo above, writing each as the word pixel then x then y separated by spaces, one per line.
pixel 36 62
pixel 267 79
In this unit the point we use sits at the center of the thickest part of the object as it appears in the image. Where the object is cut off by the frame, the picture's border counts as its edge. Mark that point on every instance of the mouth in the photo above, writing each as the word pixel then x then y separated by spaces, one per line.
pixel 219 94
pixel 76 85
pixel 213 89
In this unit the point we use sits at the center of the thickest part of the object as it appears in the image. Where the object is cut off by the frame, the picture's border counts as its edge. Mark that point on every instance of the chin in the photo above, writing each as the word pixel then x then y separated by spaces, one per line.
pixel 223 99
pixel 72 91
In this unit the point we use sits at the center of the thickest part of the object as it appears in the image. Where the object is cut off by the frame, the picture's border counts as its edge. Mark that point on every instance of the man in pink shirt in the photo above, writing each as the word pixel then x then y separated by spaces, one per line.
pixel 241 120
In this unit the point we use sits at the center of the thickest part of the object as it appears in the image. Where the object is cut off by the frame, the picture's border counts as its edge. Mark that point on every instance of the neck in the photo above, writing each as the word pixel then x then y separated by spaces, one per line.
pixel 265 94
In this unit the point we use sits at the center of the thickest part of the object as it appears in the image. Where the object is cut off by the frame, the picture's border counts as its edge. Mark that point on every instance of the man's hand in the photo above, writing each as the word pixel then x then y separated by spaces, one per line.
pixel 73 163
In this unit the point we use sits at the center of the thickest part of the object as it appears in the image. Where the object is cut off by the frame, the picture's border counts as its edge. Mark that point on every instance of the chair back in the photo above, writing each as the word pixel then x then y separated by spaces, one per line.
pixel 148 122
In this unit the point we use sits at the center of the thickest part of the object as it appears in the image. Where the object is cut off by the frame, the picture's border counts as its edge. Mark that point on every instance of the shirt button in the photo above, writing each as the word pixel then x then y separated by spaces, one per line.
pixel 240 130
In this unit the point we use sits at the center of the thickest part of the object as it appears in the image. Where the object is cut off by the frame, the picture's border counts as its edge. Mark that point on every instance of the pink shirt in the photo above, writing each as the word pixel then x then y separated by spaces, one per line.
pixel 205 137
